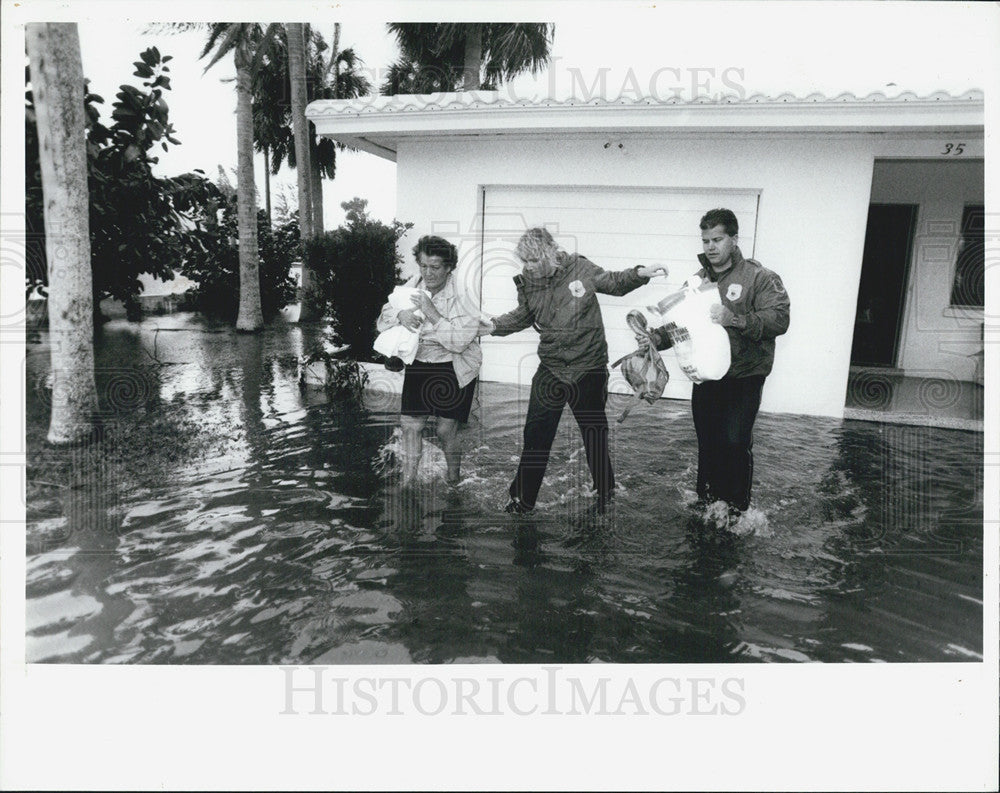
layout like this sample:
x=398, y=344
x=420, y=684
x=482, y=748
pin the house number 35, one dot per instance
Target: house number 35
x=954, y=148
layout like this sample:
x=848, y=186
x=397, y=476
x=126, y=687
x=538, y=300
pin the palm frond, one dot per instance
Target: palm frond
x=267, y=45
x=170, y=28
x=512, y=49
x=216, y=30
x=240, y=38
x=433, y=54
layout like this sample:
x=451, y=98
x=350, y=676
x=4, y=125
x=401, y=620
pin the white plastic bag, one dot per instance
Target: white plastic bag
x=702, y=346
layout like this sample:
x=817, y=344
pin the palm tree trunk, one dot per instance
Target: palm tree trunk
x=295, y=34
x=316, y=187
x=57, y=84
x=335, y=60
x=473, y=58
x=249, y=317
x=267, y=185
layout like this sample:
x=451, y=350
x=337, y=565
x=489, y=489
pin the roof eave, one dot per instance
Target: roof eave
x=378, y=128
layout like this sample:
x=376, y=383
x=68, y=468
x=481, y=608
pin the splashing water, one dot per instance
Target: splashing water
x=389, y=460
x=752, y=522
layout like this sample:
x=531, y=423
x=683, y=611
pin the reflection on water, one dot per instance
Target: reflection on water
x=227, y=516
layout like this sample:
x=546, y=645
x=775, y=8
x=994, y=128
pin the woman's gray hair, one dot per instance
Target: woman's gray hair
x=536, y=244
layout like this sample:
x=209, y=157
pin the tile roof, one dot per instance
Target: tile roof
x=481, y=100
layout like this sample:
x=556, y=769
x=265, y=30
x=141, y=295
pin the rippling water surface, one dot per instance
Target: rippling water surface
x=228, y=516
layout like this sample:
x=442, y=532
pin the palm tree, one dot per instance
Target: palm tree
x=57, y=86
x=444, y=56
x=338, y=78
x=295, y=36
x=250, y=44
x=282, y=76
x=295, y=40
x=335, y=77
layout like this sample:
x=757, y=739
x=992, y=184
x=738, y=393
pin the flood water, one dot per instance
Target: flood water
x=229, y=516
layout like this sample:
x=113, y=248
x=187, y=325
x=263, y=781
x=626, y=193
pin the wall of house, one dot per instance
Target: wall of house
x=814, y=195
x=936, y=340
x=154, y=287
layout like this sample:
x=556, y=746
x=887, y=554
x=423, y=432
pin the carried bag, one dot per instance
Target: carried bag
x=644, y=370
x=702, y=346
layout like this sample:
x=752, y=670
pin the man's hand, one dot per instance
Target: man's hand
x=408, y=318
x=486, y=327
x=422, y=303
x=721, y=315
x=651, y=272
x=642, y=340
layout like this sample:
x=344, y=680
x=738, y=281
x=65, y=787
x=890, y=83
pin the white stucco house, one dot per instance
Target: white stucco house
x=866, y=206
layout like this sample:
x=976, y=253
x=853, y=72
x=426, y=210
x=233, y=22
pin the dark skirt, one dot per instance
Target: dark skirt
x=431, y=389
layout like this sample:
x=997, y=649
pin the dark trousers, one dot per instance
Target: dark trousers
x=586, y=397
x=724, y=412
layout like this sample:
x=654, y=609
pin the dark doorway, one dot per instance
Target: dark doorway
x=888, y=242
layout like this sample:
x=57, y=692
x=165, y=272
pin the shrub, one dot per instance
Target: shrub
x=356, y=267
x=215, y=266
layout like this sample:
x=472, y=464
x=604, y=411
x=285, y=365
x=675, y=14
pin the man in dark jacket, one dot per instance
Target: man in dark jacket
x=754, y=310
x=557, y=294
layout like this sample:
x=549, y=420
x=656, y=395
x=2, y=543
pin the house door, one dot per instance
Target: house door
x=884, y=267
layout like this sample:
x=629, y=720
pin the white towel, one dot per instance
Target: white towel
x=399, y=341
x=401, y=297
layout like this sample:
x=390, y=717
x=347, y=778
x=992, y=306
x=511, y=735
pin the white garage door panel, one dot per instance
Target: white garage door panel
x=616, y=228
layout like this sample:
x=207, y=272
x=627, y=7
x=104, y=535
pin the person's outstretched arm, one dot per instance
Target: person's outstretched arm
x=623, y=281
x=516, y=319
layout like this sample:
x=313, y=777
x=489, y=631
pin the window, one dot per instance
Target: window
x=967, y=289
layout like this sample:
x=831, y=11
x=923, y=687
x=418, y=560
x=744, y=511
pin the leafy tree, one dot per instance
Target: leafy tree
x=356, y=267
x=134, y=225
x=137, y=220
x=57, y=71
x=445, y=56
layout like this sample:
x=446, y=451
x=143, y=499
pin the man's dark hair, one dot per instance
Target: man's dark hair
x=720, y=217
x=436, y=246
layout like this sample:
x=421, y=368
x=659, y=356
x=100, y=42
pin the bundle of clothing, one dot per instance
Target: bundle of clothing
x=399, y=342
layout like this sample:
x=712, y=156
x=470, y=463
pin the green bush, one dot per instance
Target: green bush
x=356, y=267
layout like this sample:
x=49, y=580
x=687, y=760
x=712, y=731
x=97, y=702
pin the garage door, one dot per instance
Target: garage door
x=614, y=227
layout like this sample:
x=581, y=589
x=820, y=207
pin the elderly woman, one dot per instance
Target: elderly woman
x=441, y=380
